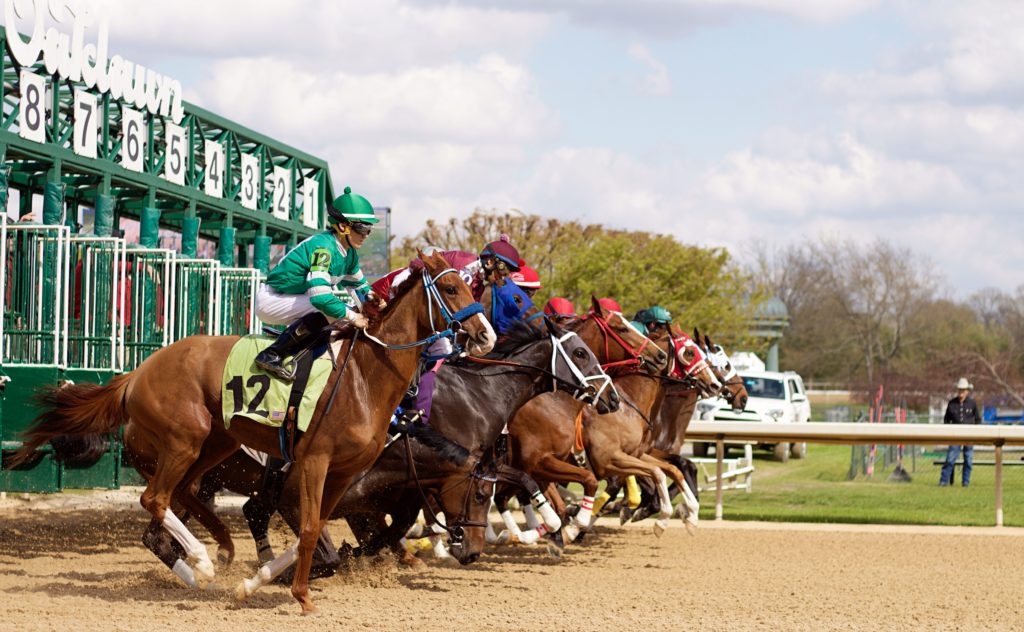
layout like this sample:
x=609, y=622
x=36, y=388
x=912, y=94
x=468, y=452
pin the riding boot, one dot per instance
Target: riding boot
x=298, y=336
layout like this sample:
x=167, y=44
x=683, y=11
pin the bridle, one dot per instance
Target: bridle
x=455, y=529
x=636, y=359
x=581, y=389
x=452, y=319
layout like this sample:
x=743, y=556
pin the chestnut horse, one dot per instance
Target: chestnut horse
x=547, y=431
x=174, y=399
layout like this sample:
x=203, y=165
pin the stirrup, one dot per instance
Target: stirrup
x=283, y=371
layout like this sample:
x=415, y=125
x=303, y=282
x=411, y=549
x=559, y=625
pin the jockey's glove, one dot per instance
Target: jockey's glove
x=357, y=319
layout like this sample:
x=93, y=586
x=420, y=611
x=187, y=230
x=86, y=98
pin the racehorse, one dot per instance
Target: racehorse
x=550, y=429
x=174, y=399
x=474, y=400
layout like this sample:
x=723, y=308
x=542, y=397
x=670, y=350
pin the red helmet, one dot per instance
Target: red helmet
x=503, y=250
x=610, y=304
x=559, y=306
x=526, y=277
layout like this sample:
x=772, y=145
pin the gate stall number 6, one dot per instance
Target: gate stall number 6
x=250, y=185
x=133, y=133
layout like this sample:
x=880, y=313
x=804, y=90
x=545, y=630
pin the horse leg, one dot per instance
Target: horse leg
x=622, y=464
x=553, y=469
x=649, y=503
x=156, y=499
x=257, y=517
x=167, y=549
x=512, y=531
x=216, y=449
x=690, y=503
x=602, y=505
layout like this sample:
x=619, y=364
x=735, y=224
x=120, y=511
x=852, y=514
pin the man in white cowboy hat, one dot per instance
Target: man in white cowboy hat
x=962, y=409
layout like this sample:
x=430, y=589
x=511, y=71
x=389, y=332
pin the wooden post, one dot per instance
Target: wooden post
x=719, y=451
x=999, y=484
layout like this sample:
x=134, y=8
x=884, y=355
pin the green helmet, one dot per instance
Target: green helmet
x=656, y=314
x=351, y=207
x=637, y=325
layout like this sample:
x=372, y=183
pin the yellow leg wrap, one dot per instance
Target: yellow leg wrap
x=599, y=502
x=632, y=492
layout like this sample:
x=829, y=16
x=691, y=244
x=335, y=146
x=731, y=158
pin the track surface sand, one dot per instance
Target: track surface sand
x=82, y=567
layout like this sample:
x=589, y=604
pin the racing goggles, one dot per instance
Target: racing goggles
x=361, y=228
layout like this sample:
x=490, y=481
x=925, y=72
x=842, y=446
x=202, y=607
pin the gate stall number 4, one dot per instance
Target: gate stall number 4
x=213, y=183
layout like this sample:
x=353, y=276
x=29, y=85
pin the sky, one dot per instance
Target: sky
x=732, y=123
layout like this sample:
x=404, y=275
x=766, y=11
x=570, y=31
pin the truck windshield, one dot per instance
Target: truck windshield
x=764, y=387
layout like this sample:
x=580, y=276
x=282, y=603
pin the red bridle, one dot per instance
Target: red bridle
x=636, y=355
x=699, y=362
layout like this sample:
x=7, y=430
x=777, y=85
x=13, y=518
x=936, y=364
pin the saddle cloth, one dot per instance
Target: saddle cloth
x=247, y=391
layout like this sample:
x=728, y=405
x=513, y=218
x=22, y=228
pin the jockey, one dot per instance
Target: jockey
x=497, y=259
x=527, y=278
x=560, y=309
x=299, y=290
x=655, y=317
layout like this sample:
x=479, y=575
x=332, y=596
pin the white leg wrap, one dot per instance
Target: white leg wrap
x=692, y=505
x=665, y=511
x=582, y=518
x=415, y=531
x=440, y=550
x=510, y=523
x=197, y=554
x=184, y=572
x=531, y=517
x=489, y=535
x=268, y=572
x=547, y=512
x=532, y=536
x=438, y=527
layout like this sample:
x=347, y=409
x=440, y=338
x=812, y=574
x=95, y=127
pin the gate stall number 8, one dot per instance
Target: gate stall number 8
x=32, y=124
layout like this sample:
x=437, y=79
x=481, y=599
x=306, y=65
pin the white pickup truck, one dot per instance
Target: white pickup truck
x=774, y=397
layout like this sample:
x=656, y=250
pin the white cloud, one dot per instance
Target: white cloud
x=657, y=80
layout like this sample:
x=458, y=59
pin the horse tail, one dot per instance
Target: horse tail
x=80, y=450
x=77, y=410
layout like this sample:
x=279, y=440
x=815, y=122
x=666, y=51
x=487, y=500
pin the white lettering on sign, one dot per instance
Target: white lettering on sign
x=310, y=202
x=32, y=118
x=251, y=176
x=73, y=59
x=213, y=183
x=175, y=153
x=282, y=192
x=87, y=126
x=133, y=135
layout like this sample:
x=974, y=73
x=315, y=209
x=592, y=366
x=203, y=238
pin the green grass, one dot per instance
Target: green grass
x=815, y=489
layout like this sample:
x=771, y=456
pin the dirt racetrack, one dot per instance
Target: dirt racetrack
x=83, y=568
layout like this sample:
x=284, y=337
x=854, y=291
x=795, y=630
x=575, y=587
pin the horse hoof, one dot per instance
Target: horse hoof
x=659, y=527
x=241, y=592
x=309, y=610
x=554, y=551
x=504, y=537
x=204, y=572
x=691, y=527
x=225, y=556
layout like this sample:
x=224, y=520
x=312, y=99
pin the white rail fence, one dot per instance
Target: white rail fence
x=854, y=434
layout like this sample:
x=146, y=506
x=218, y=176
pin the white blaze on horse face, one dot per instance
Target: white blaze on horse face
x=483, y=348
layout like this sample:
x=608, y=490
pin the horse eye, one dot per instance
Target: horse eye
x=450, y=290
x=579, y=354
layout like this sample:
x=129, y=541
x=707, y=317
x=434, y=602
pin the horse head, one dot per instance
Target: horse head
x=692, y=363
x=457, y=309
x=733, y=389
x=578, y=371
x=622, y=343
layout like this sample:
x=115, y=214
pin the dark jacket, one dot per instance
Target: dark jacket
x=965, y=412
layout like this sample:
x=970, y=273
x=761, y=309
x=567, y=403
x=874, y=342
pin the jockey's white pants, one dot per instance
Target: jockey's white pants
x=274, y=308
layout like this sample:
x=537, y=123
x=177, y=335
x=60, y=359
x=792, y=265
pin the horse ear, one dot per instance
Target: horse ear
x=596, y=305
x=553, y=328
x=696, y=334
x=707, y=342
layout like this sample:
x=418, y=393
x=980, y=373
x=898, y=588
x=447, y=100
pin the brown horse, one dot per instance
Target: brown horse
x=174, y=399
x=548, y=430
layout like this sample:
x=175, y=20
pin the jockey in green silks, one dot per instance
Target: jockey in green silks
x=299, y=291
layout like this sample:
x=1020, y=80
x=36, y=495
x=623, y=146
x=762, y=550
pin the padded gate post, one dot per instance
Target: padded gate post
x=226, y=247
x=149, y=229
x=190, y=237
x=261, y=253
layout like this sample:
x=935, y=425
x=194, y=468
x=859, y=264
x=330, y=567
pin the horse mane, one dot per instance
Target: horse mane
x=518, y=336
x=370, y=309
x=445, y=447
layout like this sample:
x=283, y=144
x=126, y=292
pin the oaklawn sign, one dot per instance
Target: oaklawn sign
x=73, y=59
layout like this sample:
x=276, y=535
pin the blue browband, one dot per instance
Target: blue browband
x=468, y=312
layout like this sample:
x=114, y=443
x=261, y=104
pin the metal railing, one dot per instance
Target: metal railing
x=854, y=434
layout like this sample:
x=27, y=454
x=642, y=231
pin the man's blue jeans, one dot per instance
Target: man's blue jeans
x=951, y=457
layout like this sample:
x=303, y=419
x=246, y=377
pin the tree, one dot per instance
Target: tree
x=701, y=287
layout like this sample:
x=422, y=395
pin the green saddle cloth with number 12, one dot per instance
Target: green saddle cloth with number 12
x=247, y=391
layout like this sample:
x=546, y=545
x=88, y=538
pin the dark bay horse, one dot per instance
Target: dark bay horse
x=174, y=399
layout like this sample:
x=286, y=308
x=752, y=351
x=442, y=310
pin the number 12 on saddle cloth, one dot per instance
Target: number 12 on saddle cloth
x=247, y=391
